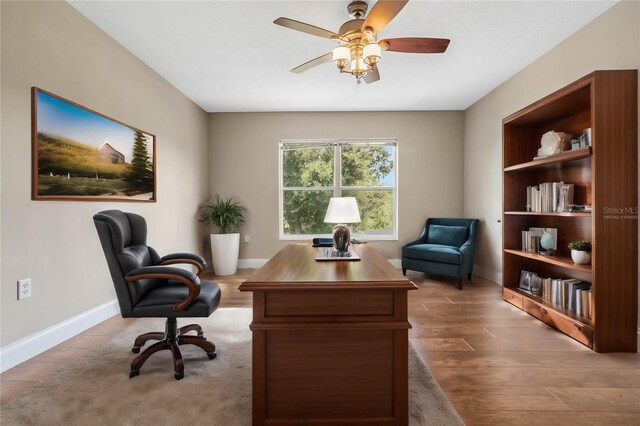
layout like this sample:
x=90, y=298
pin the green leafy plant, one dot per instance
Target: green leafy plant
x=226, y=214
x=580, y=245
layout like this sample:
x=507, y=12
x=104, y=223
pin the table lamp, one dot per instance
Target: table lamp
x=342, y=210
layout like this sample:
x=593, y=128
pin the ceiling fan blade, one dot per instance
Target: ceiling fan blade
x=305, y=28
x=382, y=13
x=372, y=76
x=415, y=45
x=312, y=63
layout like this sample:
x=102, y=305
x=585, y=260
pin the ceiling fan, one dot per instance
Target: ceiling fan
x=359, y=51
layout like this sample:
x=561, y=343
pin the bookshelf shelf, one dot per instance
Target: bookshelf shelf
x=559, y=309
x=606, y=102
x=552, y=160
x=559, y=214
x=563, y=262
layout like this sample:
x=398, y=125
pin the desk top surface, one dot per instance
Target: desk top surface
x=294, y=267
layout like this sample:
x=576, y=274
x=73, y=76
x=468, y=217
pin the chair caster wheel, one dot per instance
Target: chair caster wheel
x=133, y=373
x=135, y=349
x=179, y=376
x=212, y=355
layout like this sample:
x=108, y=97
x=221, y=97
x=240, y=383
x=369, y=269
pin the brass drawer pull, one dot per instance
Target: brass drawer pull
x=543, y=310
x=579, y=327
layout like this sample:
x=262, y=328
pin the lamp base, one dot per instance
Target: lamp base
x=341, y=237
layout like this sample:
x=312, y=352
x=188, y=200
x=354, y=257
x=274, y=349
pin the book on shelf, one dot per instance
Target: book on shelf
x=570, y=294
x=531, y=239
x=549, y=197
x=530, y=242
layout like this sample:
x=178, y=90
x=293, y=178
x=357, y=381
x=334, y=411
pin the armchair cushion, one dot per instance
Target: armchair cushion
x=447, y=235
x=434, y=253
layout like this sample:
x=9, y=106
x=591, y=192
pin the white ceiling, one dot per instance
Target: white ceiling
x=229, y=56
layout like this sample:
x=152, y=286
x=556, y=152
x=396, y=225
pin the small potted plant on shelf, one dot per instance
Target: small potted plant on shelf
x=228, y=216
x=580, y=252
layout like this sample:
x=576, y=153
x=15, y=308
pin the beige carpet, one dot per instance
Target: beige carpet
x=96, y=389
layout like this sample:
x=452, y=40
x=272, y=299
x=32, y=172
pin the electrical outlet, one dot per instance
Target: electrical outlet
x=247, y=238
x=24, y=288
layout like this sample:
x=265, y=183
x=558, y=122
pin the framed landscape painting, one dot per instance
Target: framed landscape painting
x=82, y=155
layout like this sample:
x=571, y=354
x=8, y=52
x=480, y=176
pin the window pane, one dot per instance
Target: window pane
x=367, y=165
x=304, y=212
x=307, y=166
x=376, y=211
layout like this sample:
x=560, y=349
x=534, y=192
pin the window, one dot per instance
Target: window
x=311, y=172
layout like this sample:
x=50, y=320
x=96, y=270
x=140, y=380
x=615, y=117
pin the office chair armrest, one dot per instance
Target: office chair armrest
x=192, y=259
x=185, y=277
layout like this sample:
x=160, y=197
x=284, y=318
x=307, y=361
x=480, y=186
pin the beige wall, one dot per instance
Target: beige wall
x=243, y=159
x=51, y=45
x=611, y=41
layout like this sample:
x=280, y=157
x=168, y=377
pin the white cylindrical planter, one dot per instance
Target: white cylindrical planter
x=224, y=253
x=580, y=257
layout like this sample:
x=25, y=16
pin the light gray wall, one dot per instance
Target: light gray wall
x=611, y=41
x=243, y=159
x=52, y=46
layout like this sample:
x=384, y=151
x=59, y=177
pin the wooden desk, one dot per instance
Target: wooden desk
x=330, y=340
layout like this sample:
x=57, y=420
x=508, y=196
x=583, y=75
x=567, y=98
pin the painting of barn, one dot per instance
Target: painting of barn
x=110, y=154
x=80, y=154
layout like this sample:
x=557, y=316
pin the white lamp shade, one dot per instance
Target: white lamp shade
x=342, y=210
x=372, y=53
x=358, y=65
x=341, y=53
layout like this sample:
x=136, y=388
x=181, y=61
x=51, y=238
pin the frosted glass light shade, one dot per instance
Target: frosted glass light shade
x=341, y=53
x=358, y=65
x=342, y=210
x=372, y=53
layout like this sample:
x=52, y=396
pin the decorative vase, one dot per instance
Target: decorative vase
x=224, y=253
x=341, y=237
x=580, y=257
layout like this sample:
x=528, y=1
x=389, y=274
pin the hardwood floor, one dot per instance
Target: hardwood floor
x=496, y=364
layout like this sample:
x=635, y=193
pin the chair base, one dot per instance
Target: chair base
x=171, y=339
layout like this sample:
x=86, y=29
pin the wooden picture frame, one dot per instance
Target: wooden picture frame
x=78, y=154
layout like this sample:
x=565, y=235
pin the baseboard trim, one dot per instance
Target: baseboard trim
x=397, y=263
x=251, y=263
x=26, y=348
x=488, y=274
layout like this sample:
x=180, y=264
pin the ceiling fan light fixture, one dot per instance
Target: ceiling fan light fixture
x=372, y=53
x=358, y=67
x=359, y=52
x=341, y=56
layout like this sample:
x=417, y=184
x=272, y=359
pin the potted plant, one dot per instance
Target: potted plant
x=580, y=252
x=228, y=217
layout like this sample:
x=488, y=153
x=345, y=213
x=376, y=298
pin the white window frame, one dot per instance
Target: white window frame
x=337, y=187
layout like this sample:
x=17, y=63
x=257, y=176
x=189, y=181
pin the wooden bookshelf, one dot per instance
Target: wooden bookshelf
x=564, y=262
x=604, y=175
x=562, y=214
x=553, y=160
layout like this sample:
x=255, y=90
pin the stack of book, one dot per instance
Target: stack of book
x=530, y=241
x=570, y=294
x=546, y=197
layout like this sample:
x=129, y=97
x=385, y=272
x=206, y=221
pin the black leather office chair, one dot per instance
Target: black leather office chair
x=147, y=287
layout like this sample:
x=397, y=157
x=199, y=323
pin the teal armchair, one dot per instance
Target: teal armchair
x=445, y=247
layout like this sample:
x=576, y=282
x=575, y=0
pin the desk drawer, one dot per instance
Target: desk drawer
x=580, y=332
x=512, y=297
x=329, y=303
